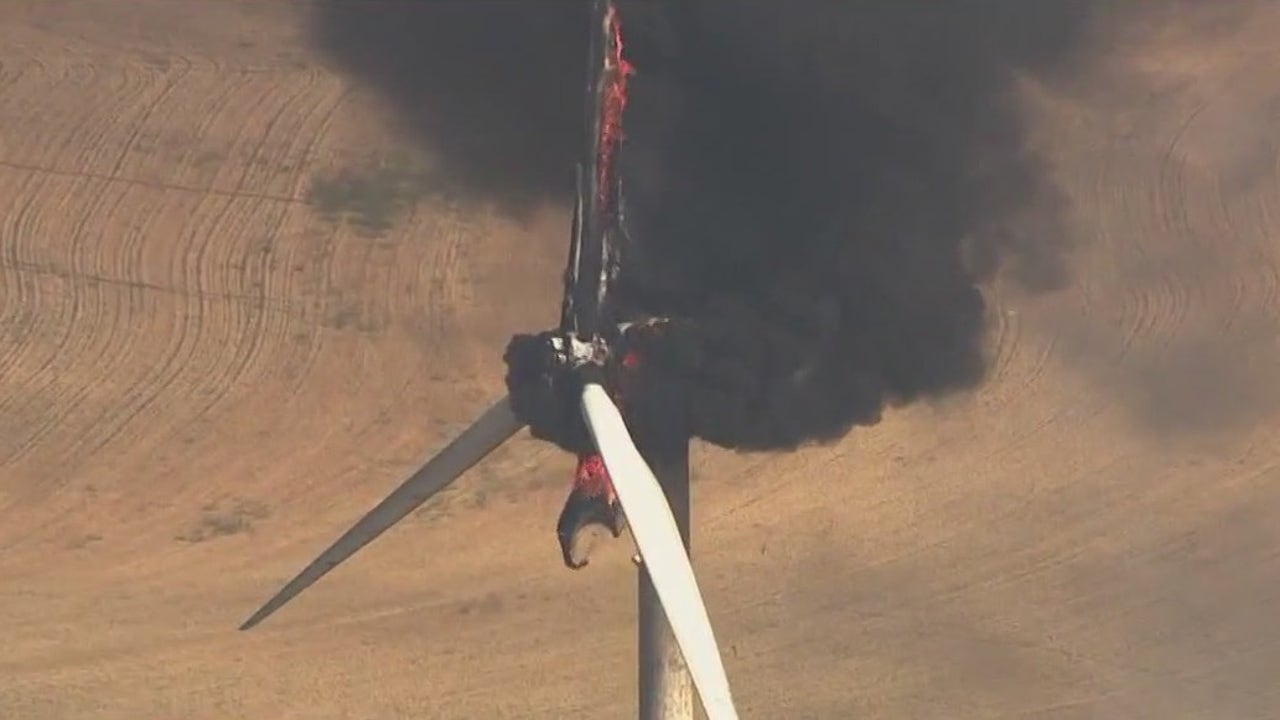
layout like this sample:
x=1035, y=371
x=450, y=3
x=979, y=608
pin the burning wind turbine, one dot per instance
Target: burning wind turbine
x=586, y=362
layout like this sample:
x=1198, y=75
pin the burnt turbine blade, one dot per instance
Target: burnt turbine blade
x=494, y=427
x=586, y=309
x=583, y=517
x=657, y=537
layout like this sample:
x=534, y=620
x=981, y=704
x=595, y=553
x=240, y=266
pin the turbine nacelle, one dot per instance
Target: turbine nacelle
x=571, y=351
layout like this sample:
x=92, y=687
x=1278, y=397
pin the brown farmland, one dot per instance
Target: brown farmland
x=234, y=313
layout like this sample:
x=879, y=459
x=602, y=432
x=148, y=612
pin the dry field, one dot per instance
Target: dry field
x=233, y=314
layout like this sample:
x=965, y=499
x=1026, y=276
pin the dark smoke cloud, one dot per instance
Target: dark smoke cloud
x=493, y=87
x=815, y=189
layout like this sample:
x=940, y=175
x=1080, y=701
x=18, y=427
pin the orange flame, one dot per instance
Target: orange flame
x=592, y=478
x=617, y=69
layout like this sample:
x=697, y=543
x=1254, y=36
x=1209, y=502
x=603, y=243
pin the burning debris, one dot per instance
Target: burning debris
x=592, y=503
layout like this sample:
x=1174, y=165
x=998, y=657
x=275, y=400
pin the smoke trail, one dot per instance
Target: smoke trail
x=815, y=192
x=814, y=189
x=493, y=88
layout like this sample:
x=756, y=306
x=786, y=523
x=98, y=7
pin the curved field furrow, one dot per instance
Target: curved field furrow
x=48, y=319
x=313, y=263
x=1017, y=362
x=15, y=309
x=210, y=300
x=1158, y=305
x=118, y=279
x=135, y=290
x=23, y=303
x=435, y=288
x=88, y=148
x=187, y=338
x=54, y=134
x=256, y=262
x=70, y=346
x=307, y=340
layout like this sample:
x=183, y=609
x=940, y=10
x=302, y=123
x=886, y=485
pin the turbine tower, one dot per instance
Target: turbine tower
x=580, y=361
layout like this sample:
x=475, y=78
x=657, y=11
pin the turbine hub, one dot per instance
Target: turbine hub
x=572, y=352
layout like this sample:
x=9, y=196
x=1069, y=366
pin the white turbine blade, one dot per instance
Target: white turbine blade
x=658, y=539
x=492, y=429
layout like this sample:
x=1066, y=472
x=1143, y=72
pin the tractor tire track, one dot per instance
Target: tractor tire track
x=21, y=290
x=274, y=268
x=133, y=264
x=181, y=378
x=244, y=350
x=77, y=334
x=24, y=385
x=310, y=329
x=88, y=144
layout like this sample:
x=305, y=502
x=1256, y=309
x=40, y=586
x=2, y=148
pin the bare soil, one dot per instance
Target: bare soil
x=233, y=314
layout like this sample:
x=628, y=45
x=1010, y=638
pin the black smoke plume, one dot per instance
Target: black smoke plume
x=815, y=190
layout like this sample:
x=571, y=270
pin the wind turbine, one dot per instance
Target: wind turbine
x=585, y=343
